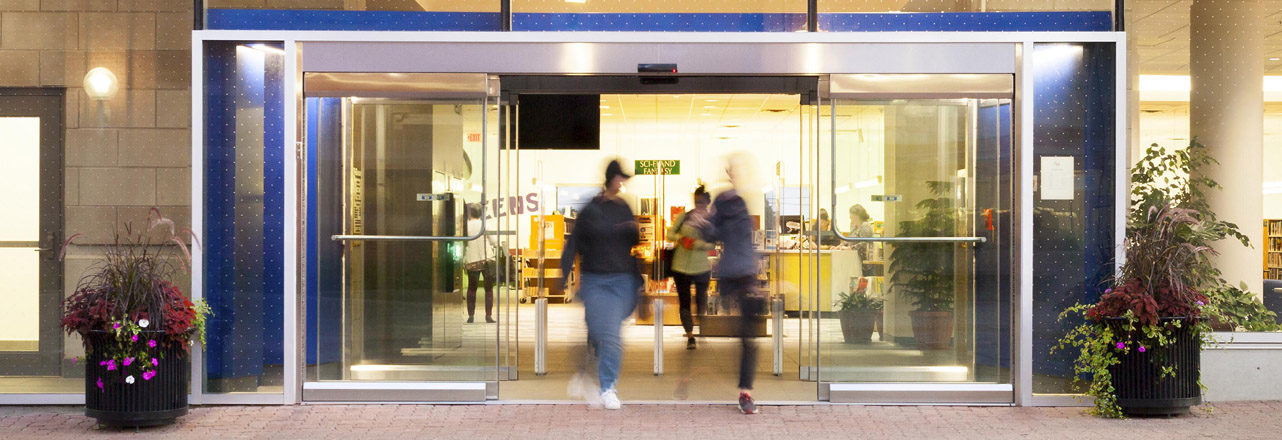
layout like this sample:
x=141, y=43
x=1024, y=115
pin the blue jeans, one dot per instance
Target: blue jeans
x=608, y=299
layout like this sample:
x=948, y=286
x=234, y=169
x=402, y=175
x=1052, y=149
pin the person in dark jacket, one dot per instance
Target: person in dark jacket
x=604, y=234
x=731, y=225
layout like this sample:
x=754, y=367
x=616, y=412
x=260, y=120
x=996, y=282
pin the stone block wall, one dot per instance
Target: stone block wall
x=126, y=155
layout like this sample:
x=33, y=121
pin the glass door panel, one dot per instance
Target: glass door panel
x=35, y=356
x=404, y=209
x=920, y=199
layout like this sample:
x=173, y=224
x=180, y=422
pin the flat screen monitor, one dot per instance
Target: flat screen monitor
x=559, y=122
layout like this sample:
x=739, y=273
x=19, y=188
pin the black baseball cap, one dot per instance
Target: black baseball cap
x=615, y=169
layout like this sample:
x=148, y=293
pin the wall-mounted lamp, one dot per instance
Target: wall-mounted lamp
x=101, y=84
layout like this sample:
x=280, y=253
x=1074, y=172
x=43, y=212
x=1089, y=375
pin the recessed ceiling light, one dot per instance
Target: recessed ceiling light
x=676, y=96
x=1275, y=59
x=730, y=126
x=607, y=114
x=710, y=100
x=605, y=106
x=709, y=106
x=706, y=114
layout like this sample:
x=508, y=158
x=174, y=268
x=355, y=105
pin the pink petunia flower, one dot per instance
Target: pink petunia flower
x=155, y=361
x=99, y=384
x=151, y=343
x=1142, y=349
x=115, y=325
x=148, y=375
x=111, y=364
x=1121, y=345
x=128, y=361
x=134, y=338
x=101, y=363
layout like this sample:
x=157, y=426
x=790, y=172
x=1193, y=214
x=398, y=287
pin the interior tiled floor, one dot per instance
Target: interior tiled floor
x=709, y=373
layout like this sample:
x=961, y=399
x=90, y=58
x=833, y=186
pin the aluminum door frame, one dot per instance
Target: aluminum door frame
x=811, y=44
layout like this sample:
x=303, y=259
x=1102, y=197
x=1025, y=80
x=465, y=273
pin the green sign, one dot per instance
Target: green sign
x=667, y=167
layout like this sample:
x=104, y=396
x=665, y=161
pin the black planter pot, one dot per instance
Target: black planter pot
x=1138, y=381
x=159, y=401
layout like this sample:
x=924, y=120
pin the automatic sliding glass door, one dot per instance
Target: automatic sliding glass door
x=400, y=205
x=920, y=191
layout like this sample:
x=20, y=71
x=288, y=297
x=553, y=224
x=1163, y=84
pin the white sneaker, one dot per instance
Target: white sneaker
x=610, y=399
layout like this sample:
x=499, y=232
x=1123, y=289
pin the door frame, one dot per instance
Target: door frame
x=47, y=104
x=620, y=52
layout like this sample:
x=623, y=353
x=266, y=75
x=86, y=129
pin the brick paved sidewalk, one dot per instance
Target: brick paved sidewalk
x=1243, y=420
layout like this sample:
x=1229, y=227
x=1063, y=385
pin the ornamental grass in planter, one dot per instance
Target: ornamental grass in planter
x=1139, y=346
x=137, y=327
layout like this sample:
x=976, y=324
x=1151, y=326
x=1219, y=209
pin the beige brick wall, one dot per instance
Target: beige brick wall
x=126, y=155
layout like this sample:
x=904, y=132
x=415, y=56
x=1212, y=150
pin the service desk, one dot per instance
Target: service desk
x=792, y=274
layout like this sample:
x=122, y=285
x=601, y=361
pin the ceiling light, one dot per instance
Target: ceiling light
x=730, y=126
x=605, y=106
x=1275, y=59
x=676, y=96
x=709, y=100
x=607, y=114
x=576, y=1
x=842, y=189
x=709, y=106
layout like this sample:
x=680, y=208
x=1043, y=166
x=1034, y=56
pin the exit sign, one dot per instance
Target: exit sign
x=666, y=167
x=473, y=137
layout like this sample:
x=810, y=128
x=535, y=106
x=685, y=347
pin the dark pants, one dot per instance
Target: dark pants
x=473, y=279
x=684, y=282
x=743, y=290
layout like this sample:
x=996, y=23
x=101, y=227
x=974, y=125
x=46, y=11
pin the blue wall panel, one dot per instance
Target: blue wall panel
x=1073, y=239
x=310, y=20
x=243, y=218
x=244, y=19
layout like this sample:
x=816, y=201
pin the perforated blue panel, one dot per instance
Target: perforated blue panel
x=307, y=20
x=660, y=22
x=968, y=22
x=1072, y=239
x=244, y=207
x=491, y=21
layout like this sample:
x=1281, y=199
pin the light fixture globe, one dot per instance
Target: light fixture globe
x=101, y=84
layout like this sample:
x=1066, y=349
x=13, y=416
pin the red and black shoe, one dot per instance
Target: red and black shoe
x=746, y=405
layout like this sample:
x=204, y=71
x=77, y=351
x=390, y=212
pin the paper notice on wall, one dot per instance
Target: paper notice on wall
x=1057, y=178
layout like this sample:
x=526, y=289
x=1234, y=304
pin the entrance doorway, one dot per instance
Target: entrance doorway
x=882, y=222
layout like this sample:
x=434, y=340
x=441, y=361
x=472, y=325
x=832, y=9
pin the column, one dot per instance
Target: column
x=1226, y=61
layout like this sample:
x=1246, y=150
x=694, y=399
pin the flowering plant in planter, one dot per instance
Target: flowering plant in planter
x=127, y=307
x=1154, y=316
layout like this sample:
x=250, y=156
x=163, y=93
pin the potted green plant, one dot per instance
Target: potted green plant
x=1139, y=346
x=136, y=325
x=924, y=272
x=1233, y=307
x=858, y=313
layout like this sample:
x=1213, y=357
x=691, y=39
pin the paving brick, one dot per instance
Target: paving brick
x=1237, y=420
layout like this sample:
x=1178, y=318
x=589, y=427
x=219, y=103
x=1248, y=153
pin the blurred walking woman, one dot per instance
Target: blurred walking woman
x=690, y=265
x=603, y=237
